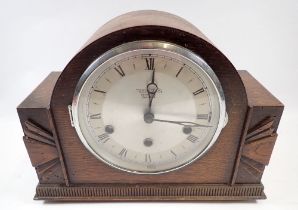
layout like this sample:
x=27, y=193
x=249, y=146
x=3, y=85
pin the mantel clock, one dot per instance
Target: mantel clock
x=149, y=109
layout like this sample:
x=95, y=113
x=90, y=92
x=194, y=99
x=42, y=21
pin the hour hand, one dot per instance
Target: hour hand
x=151, y=90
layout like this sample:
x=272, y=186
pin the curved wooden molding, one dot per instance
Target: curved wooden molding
x=257, y=149
x=37, y=133
x=263, y=129
x=260, y=150
x=42, y=151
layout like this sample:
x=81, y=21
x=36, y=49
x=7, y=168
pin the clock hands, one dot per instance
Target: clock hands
x=149, y=116
x=151, y=90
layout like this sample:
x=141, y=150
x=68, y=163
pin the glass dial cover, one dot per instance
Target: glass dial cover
x=148, y=107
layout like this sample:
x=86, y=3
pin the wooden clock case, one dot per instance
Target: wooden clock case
x=231, y=170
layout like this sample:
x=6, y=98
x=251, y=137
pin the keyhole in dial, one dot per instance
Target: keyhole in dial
x=148, y=142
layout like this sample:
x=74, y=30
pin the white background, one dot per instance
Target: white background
x=37, y=37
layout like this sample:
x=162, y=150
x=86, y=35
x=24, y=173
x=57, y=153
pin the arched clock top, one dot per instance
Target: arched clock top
x=149, y=25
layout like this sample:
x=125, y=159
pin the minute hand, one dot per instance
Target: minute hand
x=183, y=123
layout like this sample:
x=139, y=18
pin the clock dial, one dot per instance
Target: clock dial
x=148, y=107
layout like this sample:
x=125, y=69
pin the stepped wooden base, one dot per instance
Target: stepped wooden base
x=149, y=192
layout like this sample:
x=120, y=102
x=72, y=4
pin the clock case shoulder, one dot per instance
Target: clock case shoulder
x=259, y=133
x=40, y=136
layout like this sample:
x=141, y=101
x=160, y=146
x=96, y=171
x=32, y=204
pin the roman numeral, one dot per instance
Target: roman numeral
x=120, y=70
x=147, y=158
x=192, y=138
x=198, y=91
x=95, y=116
x=100, y=91
x=179, y=71
x=103, y=137
x=150, y=63
x=173, y=153
x=202, y=116
x=123, y=152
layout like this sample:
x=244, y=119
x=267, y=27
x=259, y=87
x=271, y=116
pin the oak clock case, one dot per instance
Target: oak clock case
x=149, y=109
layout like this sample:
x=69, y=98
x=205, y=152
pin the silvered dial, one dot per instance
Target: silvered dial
x=148, y=107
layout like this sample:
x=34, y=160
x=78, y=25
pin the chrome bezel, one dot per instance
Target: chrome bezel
x=159, y=45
